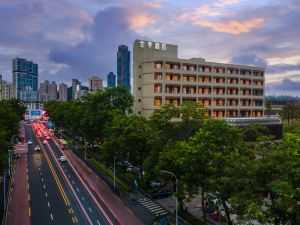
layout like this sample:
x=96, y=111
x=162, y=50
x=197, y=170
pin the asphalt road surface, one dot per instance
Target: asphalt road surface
x=57, y=194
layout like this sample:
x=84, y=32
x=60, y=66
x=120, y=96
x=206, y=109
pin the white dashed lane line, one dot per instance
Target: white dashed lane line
x=48, y=204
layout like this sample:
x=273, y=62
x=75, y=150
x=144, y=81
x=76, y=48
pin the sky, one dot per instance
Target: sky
x=79, y=38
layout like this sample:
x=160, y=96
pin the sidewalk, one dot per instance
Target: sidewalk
x=193, y=206
x=18, y=209
x=125, y=215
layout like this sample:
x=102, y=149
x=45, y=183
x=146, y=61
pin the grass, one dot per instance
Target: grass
x=108, y=173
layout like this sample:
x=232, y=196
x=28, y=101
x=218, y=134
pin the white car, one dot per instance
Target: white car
x=63, y=158
x=29, y=142
x=155, y=183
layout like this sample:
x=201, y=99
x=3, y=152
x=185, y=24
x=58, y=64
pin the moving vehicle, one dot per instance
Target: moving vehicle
x=63, y=158
x=63, y=144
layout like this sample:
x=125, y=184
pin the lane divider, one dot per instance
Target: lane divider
x=68, y=182
x=61, y=190
x=90, y=193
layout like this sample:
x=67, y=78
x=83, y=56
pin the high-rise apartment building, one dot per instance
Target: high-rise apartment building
x=111, y=79
x=123, y=66
x=76, y=87
x=7, y=90
x=48, y=91
x=95, y=83
x=63, y=92
x=161, y=78
x=53, y=90
x=44, y=91
x=25, y=78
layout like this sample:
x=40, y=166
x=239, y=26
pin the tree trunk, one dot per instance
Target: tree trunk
x=203, y=207
x=229, y=222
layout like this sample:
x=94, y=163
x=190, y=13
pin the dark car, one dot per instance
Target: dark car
x=160, y=194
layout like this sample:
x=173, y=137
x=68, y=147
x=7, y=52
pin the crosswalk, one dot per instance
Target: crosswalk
x=153, y=207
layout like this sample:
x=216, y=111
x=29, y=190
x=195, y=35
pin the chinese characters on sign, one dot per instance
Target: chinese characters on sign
x=149, y=44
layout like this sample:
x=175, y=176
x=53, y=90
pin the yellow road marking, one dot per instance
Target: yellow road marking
x=76, y=219
x=28, y=197
x=61, y=190
x=29, y=210
x=73, y=220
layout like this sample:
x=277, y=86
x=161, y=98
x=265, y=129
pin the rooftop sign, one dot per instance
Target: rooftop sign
x=155, y=45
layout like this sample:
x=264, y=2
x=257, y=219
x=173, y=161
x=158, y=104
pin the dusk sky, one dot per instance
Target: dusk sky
x=79, y=38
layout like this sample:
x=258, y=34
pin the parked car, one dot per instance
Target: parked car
x=63, y=158
x=155, y=183
x=160, y=194
x=29, y=142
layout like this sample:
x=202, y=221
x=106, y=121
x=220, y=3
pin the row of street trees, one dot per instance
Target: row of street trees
x=252, y=181
x=11, y=112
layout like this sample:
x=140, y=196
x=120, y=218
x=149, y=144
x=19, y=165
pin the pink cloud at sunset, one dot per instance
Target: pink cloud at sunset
x=232, y=26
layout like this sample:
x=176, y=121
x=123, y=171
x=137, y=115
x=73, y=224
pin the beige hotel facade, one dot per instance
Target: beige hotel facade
x=161, y=78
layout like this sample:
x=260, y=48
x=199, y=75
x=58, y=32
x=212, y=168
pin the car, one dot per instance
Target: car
x=63, y=158
x=155, y=183
x=48, y=138
x=160, y=194
x=37, y=148
x=29, y=142
x=44, y=141
x=129, y=169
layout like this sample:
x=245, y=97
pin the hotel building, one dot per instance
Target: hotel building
x=161, y=78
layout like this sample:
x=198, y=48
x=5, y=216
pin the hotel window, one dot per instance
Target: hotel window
x=157, y=65
x=157, y=89
x=157, y=76
x=157, y=101
x=168, y=66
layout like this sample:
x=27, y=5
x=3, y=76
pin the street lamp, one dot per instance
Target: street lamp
x=176, y=183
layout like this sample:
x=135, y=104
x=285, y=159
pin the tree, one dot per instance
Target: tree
x=127, y=139
x=290, y=111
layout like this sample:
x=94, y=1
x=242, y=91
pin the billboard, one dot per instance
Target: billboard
x=35, y=112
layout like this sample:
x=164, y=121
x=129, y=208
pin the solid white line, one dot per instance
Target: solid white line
x=90, y=209
x=48, y=204
x=51, y=216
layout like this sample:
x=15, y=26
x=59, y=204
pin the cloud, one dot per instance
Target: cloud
x=231, y=26
x=141, y=20
x=96, y=54
x=284, y=87
x=249, y=59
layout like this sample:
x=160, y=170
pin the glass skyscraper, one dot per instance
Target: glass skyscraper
x=25, y=78
x=123, y=66
x=111, y=79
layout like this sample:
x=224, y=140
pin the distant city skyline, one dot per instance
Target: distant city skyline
x=77, y=39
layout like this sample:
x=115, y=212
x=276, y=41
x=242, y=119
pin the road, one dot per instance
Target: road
x=57, y=194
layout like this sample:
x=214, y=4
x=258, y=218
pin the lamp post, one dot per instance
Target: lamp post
x=176, y=184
